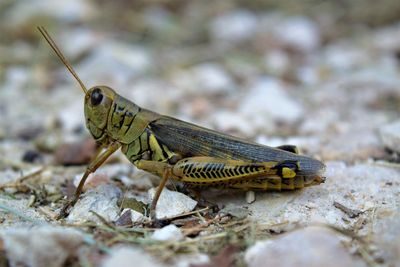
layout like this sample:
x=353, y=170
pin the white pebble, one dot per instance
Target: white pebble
x=41, y=246
x=135, y=215
x=277, y=61
x=390, y=135
x=172, y=203
x=267, y=99
x=102, y=200
x=226, y=121
x=250, y=197
x=129, y=256
x=212, y=78
x=235, y=26
x=168, y=233
x=300, y=33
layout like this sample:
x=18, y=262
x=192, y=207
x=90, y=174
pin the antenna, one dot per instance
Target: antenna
x=53, y=45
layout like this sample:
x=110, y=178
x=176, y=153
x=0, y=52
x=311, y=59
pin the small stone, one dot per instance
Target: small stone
x=387, y=236
x=41, y=246
x=115, y=63
x=236, y=26
x=267, y=99
x=235, y=211
x=78, y=41
x=71, y=11
x=93, y=180
x=299, y=33
x=250, y=197
x=129, y=256
x=70, y=115
x=114, y=171
x=48, y=142
x=136, y=216
x=124, y=219
x=388, y=38
x=32, y=156
x=139, y=93
x=51, y=189
x=191, y=260
x=390, y=135
x=277, y=62
x=232, y=122
x=133, y=215
x=212, y=78
x=312, y=246
x=168, y=233
x=142, y=183
x=29, y=133
x=368, y=205
x=343, y=57
x=20, y=206
x=172, y=203
x=161, y=21
x=308, y=75
x=102, y=200
x=77, y=153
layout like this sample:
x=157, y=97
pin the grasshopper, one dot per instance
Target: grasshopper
x=171, y=148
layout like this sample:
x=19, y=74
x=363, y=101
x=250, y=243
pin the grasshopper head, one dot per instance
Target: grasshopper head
x=98, y=102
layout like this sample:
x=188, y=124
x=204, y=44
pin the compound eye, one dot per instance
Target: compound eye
x=96, y=97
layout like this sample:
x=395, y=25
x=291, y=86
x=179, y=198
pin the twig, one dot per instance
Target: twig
x=367, y=257
x=18, y=182
x=88, y=239
x=352, y=213
x=187, y=213
x=387, y=164
x=102, y=220
x=30, y=175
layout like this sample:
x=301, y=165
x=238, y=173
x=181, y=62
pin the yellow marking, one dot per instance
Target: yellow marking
x=288, y=173
x=169, y=152
x=155, y=147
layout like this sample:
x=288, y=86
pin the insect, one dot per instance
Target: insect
x=191, y=154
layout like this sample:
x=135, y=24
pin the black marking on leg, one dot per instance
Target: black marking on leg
x=208, y=167
x=235, y=171
x=190, y=167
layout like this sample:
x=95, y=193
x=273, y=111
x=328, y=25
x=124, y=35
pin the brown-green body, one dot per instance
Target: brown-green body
x=146, y=136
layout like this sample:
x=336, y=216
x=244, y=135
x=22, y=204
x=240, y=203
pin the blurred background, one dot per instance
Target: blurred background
x=270, y=71
x=322, y=75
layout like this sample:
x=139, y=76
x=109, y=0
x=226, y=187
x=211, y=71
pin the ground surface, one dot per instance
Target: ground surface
x=324, y=77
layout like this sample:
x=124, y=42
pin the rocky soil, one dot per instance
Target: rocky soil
x=322, y=76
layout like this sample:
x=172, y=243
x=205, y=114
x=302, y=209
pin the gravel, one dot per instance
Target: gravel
x=305, y=75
